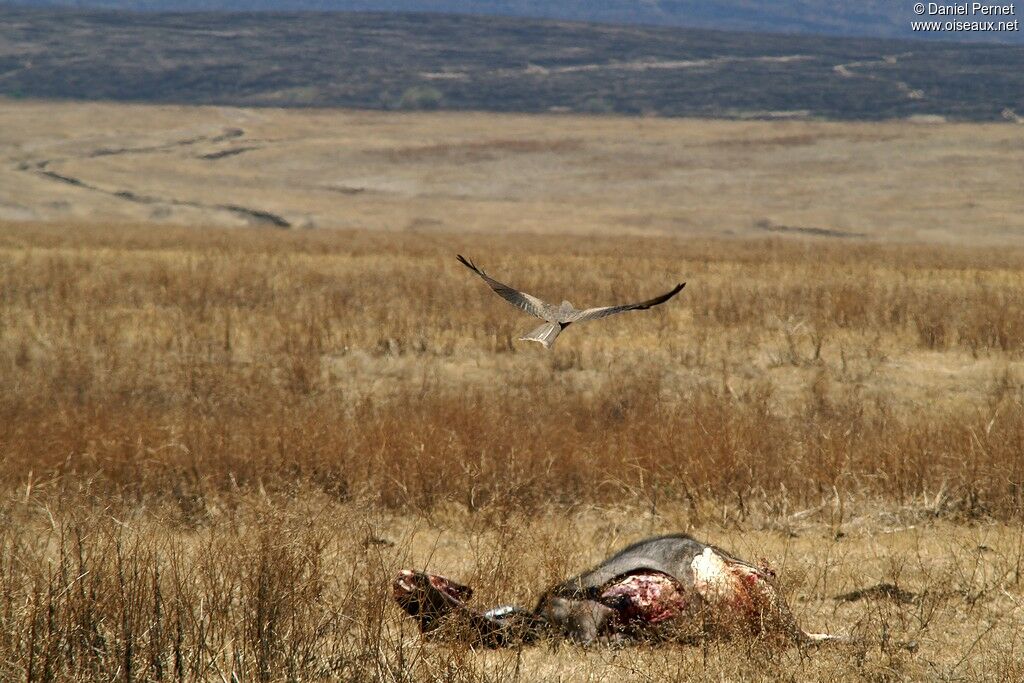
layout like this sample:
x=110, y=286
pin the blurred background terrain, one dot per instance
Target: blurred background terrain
x=427, y=61
x=867, y=18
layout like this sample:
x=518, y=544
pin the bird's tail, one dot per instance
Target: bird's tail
x=545, y=334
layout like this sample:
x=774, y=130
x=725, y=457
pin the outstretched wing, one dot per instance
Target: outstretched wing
x=526, y=302
x=604, y=311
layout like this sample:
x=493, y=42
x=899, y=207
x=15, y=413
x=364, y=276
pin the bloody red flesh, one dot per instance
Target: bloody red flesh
x=645, y=598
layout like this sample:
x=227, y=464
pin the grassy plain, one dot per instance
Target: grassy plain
x=219, y=445
x=491, y=173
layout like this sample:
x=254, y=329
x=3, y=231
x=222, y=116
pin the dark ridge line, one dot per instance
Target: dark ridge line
x=114, y=151
x=224, y=153
x=343, y=190
x=228, y=134
x=254, y=216
x=258, y=215
x=65, y=179
x=817, y=232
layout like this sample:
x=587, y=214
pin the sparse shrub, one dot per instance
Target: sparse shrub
x=934, y=327
x=596, y=105
x=421, y=97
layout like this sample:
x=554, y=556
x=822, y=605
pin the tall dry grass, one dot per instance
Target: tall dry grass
x=218, y=446
x=296, y=588
x=193, y=363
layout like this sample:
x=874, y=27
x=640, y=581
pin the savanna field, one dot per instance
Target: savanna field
x=219, y=444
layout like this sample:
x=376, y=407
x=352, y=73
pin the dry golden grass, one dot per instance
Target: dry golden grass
x=212, y=438
x=375, y=365
x=217, y=447
x=296, y=588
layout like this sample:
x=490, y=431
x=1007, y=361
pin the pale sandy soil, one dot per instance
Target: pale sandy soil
x=944, y=183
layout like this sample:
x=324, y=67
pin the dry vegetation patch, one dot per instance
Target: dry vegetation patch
x=296, y=588
x=218, y=446
x=368, y=363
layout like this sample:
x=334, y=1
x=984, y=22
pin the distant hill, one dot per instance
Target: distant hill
x=422, y=61
x=858, y=18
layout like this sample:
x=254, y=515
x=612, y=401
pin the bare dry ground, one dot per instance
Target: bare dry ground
x=489, y=173
x=219, y=445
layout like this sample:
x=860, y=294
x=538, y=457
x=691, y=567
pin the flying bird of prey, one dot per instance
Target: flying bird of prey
x=557, y=318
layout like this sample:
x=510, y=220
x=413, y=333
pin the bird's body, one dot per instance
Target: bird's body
x=557, y=318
